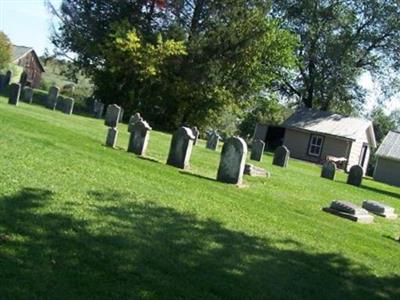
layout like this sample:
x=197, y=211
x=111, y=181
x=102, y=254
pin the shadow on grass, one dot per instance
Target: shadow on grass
x=139, y=250
x=197, y=176
x=376, y=190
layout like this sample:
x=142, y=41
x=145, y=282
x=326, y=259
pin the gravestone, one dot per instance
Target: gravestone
x=181, y=148
x=133, y=120
x=15, y=91
x=328, y=170
x=7, y=78
x=112, y=115
x=23, y=79
x=233, y=159
x=257, y=150
x=52, y=97
x=59, y=102
x=355, y=175
x=121, y=115
x=379, y=209
x=112, y=135
x=67, y=105
x=349, y=211
x=28, y=94
x=255, y=171
x=281, y=156
x=98, y=109
x=212, y=140
x=139, y=137
x=196, y=134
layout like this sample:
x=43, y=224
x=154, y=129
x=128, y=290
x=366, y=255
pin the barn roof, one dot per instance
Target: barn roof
x=19, y=52
x=336, y=125
x=390, y=147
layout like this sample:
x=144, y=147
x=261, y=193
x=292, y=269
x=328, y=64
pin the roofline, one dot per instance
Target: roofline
x=319, y=132
x=34, y=53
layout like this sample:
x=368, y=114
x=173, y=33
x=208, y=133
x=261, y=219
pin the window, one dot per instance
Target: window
x=315, y=147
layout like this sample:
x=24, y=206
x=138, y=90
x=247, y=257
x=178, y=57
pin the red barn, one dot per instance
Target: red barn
x=27, y=58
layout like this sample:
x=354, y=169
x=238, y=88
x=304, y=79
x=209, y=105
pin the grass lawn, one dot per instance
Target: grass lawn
x=82, y=221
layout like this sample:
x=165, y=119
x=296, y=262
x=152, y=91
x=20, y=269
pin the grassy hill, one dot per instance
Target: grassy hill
x=82, y=221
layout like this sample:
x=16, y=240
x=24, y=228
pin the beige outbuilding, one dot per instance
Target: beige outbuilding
x=387, y=168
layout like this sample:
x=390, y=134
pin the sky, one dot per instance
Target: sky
x=28, y=23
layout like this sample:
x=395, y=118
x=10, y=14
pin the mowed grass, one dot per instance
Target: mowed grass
x=82, y=221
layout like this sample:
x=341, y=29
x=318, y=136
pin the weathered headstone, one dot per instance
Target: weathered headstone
x=281, y=156
x=112, y=135
x=349, y=211
x=233, y=159
x=196, y=134
x=98, y=109
x=212, y=140
x=23, y=79
x=257, y=150
x=15, y=91
x=255, y=171
x=52, y=97
x=121, y=115
x=379, y=209
x=28, y=94
x=67, y=105
x=139, y=137
x=181, y=148
x=7, y=78
x=112, y=115
x=355, y=175
x=133, y=120
x=328, y=170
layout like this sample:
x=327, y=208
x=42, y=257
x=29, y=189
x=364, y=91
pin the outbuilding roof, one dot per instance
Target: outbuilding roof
x=390, y=147
x=336, y=125
x=18, y=52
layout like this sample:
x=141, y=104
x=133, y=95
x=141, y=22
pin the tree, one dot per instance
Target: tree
x=339, y=40
x=382, y=123
x=192, y=59
x=5, y=50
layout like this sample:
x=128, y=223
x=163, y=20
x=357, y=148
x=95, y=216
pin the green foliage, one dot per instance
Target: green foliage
x=339, y=40
x=383, y=123
x=5, y=50
x=177, y=63
x=81, y=221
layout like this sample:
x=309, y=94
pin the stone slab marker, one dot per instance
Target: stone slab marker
x=257, y=150
x=281, y=156
x=98, y=109
x=67, y=105
x=255, y=171
x=52, y=97
x=111, y=120
x=28, y=94
x=349, y=211
x=133, y=120
x=196, y=134
x=233, y=160
x=181, y=148
x=15, y=91
x=139, y=139
x=212, y=140
x=380, y=209
x=328, y=170
x=355, y=175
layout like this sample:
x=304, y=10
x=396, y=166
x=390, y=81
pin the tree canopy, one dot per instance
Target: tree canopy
x=5, y=50
x=339, y=40
x=178, y=62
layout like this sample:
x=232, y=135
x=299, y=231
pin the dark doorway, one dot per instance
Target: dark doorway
x=274, y=138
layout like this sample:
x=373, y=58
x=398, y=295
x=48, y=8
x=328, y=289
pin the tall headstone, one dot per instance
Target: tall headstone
x=196, y=134
x=181, y=148
x=7, y=78
x=67, y=105
x=328, y=170
x=15, y=91
x=281, y=156
x=133, y=120
x=257, y=150
x=121, y=115
x=111, y=120
x=52, y=97
x=28, y=94
x=213, y=140
x=233, y=160
x=98, y=109
x=140, y=132
x=355, y=175
x=23, y=79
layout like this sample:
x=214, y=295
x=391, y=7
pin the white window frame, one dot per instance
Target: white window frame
x=314, y=139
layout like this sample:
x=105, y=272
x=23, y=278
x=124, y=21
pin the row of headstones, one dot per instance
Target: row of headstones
x=233, y=155
x=54, y=100
x=355, y=174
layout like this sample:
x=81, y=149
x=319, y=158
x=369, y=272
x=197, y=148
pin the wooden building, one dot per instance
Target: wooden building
x=27, y=58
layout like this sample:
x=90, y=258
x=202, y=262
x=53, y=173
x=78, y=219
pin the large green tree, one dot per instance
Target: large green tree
x=176, y=61
x=5, y=50
x=339, y=40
